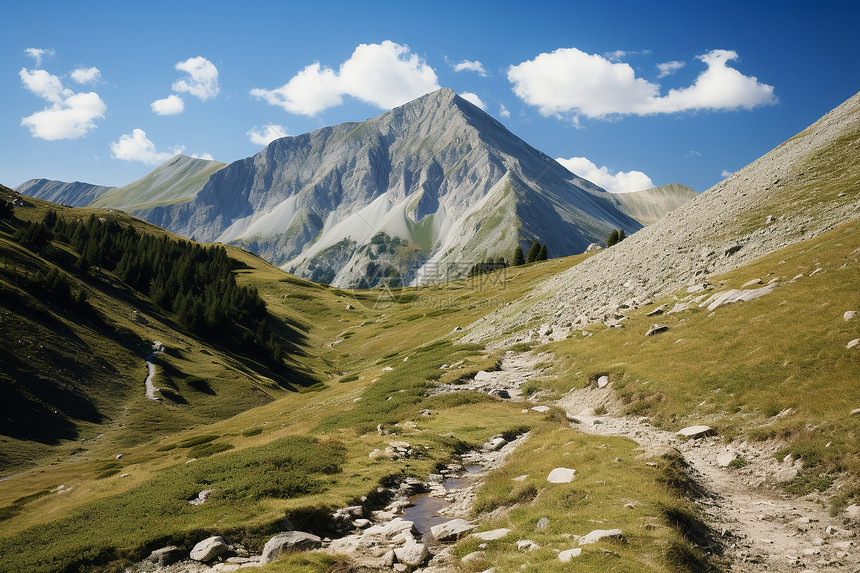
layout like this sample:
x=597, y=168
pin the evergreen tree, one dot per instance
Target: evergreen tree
x=621, y=235
x=542, y=254
x=7, y=210
x=613, y=238
x=533, y=252
x=519, y=259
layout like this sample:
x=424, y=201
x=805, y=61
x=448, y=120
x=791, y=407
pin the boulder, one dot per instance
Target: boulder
x=561, y=475
x=657, y=329
x=288, y=541
x=165, y=556
x=855, y=411
x=452, y=529
x=852, y=512
x=411, y=553
x=849, y=315
x=491, y=535
x=566, y=556
x=495, y=444
x=473, y=557
x=599, y=534
x=659, y=310
x=853, y=343
x=724, y=459
x=696, y=432
x=527, y=545
x=542, y=524
x=392, y=528
x=603, y=381
x=209, y=549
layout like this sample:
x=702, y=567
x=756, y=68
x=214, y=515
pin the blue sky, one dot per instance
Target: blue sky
x=630, y=93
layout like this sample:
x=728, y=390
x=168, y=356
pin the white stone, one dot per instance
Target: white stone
x=491, y=535
x=392, y=528
x=561, y=475
x=520, y=478
x=411, y=553
x=495, y=444
x=724, y=459
x=853, y=343
x=209, y=549
x=452, y=529
x=566, y=556
x=286, y=542
x=849, y=315
x=603, y=382
x=527, y=545
x=695, y=431
x=540, y=408
x=599, y=534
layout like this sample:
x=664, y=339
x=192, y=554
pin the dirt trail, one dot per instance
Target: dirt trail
x=763, y=528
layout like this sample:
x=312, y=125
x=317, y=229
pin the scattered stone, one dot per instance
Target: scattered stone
x=393, y=528
x=165, y=556
x=289, y=541
x=527, y=545
x=849, y=315
x=473, y=557
x=657, y=329
x=540, y=409
x=852, y=512
x=751, y=283
x=542, y=524
x=119, y=456
x=387, y=369
x=603, y=381
x=411, y=553
x=785, y=475
x=855, y=411
x=696, y=432
x=701, y=287
x=492, y=535
x=599, y=534
x=717, y=300
x=520, y=478
x=561, y=475
x=452, y=529
x=566, y=556
x=659, y=310
x=726, y=458
x=495, y=444
x=853, y=343
x=350, y=307
x=201, y=497
x=361, y=523
x=593, y=247
x=209, y=549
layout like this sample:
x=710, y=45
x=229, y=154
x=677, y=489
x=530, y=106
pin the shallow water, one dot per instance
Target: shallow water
x=424, y=511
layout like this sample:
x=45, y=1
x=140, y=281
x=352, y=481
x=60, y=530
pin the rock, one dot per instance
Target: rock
x=473, y=557
x=520, y=478
x=119, y=456
x=350, y=307
x=387, y=369
x=659, y=310
x=288, y=541
x=201, y=497
x=724, y=459
x=853, y=343
x=603, y=381
x=542, y=524
x=393, y=528
x=165, y=556
x=495, y=444
x=852, y=512
x=567, y=555
x=696, y=432
x=411, y=553
x=657, y=329
x=452, y=529
x=561, y=475
x=719, y=299
x=540, y=408
x=599, y=534
x=701, y=287
x=849, y=315
x=209, y=549
x=593, y=248
x=785, y=475
x=483, y=376
x=527, y=545
x=491, y=535
x=751, y=283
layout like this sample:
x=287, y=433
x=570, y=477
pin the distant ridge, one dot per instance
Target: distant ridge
x=75, y=194
x=648, y=205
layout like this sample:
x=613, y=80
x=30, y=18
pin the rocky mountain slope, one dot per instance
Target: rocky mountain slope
x=648, y=205
x=75, y=194
x=437, y=182
x=802, y=188
x=177, y=180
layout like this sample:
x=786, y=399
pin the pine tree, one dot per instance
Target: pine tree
x=613, y=238
x=533, y=252
x=542, y=254
x=519, y=259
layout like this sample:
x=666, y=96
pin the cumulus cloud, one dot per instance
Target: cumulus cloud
x=619, y=182
x=385, y=75
x=86, y=75
x=171, y=105
x=569, y=81
x=503, y=111
x=726, y=173
x=473, y=98
x=38, y=54
x=202, y=81
x=269, y=133
x=137, y=147
x=669, y=68
x=207, y=156
x=70, y=115
x=618, y=55
x=471, y=66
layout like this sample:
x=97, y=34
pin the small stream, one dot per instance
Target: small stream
x=426, y=507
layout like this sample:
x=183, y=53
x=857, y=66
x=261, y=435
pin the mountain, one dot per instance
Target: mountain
x=76, y=194
x=414, y=195
x=175, y=181
x=648, y=205
x=802, y=188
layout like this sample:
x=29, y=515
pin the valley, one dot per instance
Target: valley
x=321, y=409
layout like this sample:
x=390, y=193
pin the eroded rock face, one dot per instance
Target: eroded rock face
x=287, y=542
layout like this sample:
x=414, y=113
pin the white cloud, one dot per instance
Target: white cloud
x=471, y=66
x=620, y=182
x=726, y=173
x=385, y=75
x=503, y=111
x=617, y=55
x=86, y=75
x=669, y=68
x=171, y=105
x=474, y=99
x=70, y=115
x=269, y=133
x=136, y=147
x=207, y=156
x=203, y=81
x=38, y=54
x=569, y=81
x=692, y=154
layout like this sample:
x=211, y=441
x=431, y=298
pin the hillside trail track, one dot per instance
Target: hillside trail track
x=762, y=528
